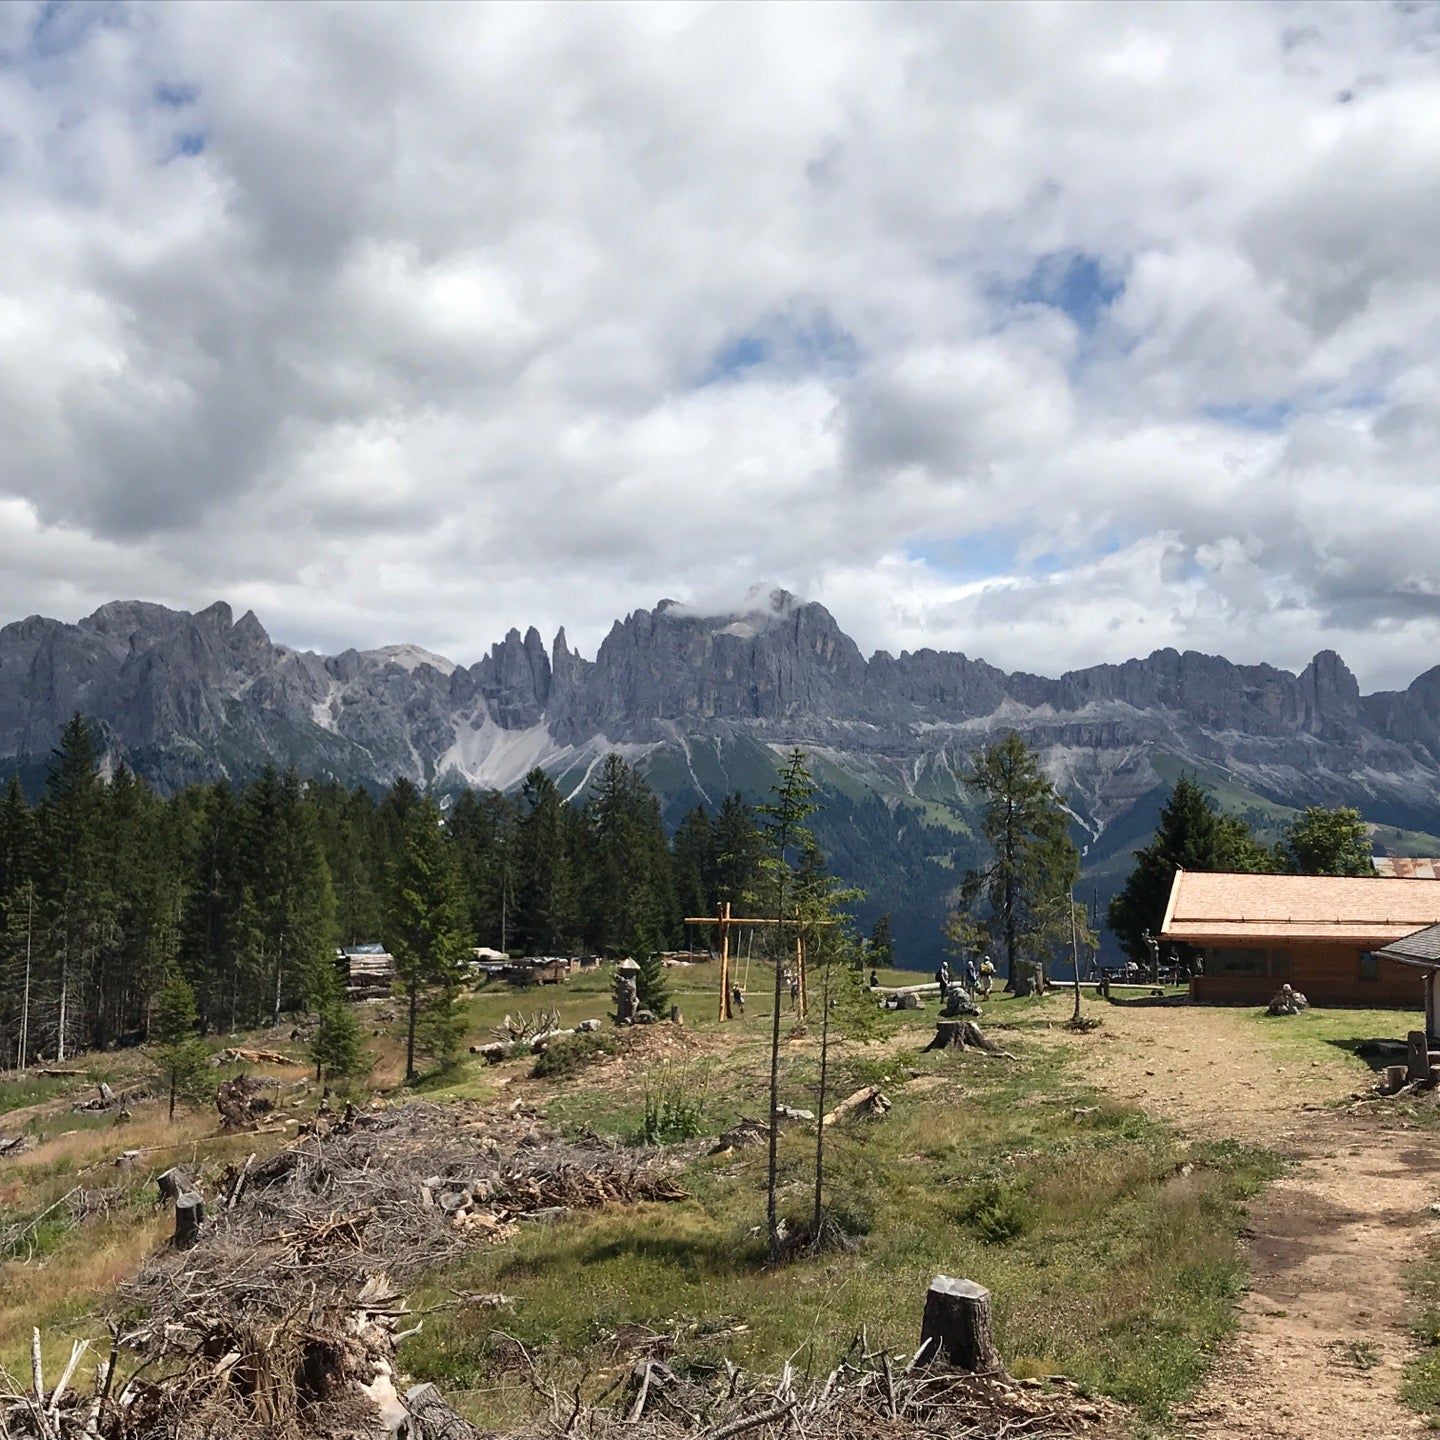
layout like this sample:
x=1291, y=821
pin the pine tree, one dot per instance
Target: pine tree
x=1033, y=859
x=545, y=891
x=1190, y=835
x=427, y=933
x=335, y=1047
x=651, y=988
x=74, y=897
x=882, y=951
x=693, y=852
x=178, y=1052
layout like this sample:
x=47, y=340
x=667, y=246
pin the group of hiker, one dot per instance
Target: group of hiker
x=977, y=977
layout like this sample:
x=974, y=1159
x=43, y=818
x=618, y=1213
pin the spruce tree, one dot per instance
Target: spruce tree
x=1190, y=835
x=791, y=803
x=335, y=1046
x=178, y=1052
x=74, y=895
x=427, y=933
x=545, y=920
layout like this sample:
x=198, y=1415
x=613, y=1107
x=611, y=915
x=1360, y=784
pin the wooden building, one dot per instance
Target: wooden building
x=1322, y=934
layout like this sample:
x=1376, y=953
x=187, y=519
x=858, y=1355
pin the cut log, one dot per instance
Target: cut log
x=1395, y=1078
x=956, y=1327
x=868, y=1098
x=257, y=1057
x=189, y=1218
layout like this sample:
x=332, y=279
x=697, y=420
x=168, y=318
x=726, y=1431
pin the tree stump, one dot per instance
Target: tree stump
x=1395, y=1078
x=1417, y=1047
x=433, y=1419
x=956, y=1327
x=189, y=1218
x=964, y=1034
x=174, y=1183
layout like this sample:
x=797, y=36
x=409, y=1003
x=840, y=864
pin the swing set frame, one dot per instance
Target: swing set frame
x=723, y=920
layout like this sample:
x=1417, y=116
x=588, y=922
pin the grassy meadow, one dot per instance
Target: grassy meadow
x=1109, y=1242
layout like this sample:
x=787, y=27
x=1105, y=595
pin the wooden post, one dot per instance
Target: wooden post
x=1432, y=1028
x=804, y=1005
x=727, y=1011
x=956, y=1327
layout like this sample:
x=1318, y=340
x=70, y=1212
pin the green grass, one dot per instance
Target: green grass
x=1331, y=1037
x=1421, y=1390
x=1109, y=1244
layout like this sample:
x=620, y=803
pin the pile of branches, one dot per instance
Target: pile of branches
x=361, y=1196
x=867, y=1395
x=282, y=1319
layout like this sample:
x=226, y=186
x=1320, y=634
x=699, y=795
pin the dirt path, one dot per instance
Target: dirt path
x=1322, y=1341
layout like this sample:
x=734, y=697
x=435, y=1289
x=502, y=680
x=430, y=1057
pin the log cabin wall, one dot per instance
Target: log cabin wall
x=1324, y=974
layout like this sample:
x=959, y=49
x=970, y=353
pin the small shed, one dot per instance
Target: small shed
x=1420, y=951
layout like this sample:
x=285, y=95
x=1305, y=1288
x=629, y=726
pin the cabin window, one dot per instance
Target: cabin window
x=1369, y=966
x=1231, y=960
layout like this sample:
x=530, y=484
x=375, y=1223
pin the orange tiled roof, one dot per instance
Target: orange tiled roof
x=1372, y=912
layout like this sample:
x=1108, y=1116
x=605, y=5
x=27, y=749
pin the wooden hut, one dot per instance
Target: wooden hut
x=1322, y=934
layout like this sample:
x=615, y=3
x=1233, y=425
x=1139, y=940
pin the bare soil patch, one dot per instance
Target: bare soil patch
x=1322, y=1338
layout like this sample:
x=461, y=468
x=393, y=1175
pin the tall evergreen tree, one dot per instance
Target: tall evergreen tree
x=178, y=1051
x=75, y=899
x=1191, y=835
x=545, y=909
x=427, y=932
x=1032, y=859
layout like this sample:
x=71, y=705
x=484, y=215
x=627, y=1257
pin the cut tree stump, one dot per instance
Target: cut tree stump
x=189, y=1218
x=961, y=1034
x=1396, y=1077
x=174, y=1183
x=432, y=1419
x=1417, y=1046
x=956, y=1327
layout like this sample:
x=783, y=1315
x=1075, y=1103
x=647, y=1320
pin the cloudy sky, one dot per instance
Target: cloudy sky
x=1051, y=333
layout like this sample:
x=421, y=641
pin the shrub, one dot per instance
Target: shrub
x=997, y=1210
x=568, y=1056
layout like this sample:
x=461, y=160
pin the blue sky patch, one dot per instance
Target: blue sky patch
x=1079, y=284
x=814, y=344
x=1265, y=417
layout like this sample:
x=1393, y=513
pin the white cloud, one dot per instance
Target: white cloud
x=415, y=322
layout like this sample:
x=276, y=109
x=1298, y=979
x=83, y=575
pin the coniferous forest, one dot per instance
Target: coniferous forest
x=109, y=890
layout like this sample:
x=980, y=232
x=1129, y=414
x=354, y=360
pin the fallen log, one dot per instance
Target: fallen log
x=256, y=1057
x=433, y=1418
x=869, y=1098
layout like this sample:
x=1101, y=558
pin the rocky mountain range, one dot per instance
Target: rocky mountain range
x=705, y=702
